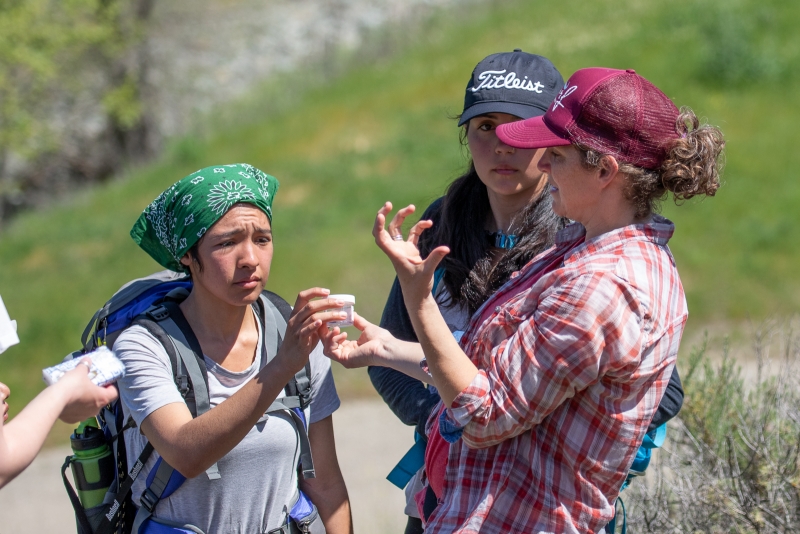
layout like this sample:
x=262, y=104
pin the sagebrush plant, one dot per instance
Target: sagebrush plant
x=731, y=462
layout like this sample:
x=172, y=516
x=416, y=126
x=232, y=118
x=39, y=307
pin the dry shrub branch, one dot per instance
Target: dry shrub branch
x=730, y=463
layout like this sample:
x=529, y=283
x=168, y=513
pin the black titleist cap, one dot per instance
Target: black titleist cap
x=515, y=82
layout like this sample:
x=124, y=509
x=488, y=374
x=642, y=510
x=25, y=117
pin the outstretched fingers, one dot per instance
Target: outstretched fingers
x=394, y=232
x=417, y=229
x=379, y=228
x=396, y=224
x=435, y=258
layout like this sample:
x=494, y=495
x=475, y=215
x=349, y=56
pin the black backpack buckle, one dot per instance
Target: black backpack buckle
x=305, y=398
x=149, y=500
x=158, y=313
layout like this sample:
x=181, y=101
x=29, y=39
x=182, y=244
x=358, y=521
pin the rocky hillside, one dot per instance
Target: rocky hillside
x=194, y=56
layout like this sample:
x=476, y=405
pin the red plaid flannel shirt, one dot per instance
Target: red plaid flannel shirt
x=571, y=373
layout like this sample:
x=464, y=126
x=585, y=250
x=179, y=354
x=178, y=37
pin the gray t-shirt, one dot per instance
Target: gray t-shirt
x=258, y=477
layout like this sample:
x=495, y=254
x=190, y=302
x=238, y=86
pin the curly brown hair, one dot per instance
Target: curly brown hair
x=692, y=167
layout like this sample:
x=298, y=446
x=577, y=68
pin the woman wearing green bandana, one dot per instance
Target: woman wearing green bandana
x=216, y=225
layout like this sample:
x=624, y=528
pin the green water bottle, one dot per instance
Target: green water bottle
x=92, y=463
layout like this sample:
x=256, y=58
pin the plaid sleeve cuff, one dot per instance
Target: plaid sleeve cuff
x=468, y=403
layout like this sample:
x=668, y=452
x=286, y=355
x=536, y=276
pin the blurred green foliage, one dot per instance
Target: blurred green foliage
x=51, y=51
x=379, y=130
x=715, y=394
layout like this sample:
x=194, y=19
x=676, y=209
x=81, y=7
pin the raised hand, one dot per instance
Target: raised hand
x=304, y=325
x=414, y=273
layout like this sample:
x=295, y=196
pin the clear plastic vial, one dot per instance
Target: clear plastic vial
x=349, y=306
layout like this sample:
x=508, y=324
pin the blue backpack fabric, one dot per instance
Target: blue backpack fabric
x=652, y=440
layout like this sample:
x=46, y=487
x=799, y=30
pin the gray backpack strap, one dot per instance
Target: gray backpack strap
x=274, y=327
x=284, y=403
x=301, y=385
x=303, y=381
x=306, y=461
x=87, y=332
x=272, y=340
x=272, y=336
x=188, y=360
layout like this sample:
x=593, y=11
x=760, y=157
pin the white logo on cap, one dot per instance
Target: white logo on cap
x=498, y=79
x=564, y=93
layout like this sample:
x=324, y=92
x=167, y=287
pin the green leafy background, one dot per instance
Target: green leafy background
x=380, y=129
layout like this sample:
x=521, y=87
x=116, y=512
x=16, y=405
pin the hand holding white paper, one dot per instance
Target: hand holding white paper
x=8, y=329
x=105, y=368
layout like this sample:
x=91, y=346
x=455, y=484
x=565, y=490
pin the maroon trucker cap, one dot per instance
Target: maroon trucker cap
x=615, y=112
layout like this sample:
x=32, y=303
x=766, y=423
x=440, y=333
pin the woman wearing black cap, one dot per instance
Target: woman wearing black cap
x=495, y=218
x=547, y=396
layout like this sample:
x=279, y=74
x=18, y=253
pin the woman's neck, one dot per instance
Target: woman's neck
x=610, y=214
x=505, y=208
x=212, y=318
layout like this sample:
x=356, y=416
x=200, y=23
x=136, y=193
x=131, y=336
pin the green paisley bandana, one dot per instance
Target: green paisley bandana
x=179, y=217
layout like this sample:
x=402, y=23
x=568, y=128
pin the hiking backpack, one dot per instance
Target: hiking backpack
x=152, y=302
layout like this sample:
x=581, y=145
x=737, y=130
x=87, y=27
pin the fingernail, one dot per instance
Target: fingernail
x=342, y=314
x=338, y=302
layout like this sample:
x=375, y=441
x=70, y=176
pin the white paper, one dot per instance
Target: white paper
x=8, y=329
x=105, y=369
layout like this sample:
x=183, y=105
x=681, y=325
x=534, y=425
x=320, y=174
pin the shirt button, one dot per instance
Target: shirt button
x=497, y=309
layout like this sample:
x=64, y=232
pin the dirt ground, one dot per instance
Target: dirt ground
x=369, y=442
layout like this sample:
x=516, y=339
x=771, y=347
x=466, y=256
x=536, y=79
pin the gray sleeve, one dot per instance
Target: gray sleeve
x=148, y=383
x=324, y=399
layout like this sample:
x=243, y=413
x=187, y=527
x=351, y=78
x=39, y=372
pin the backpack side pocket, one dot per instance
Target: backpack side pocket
x=306, y=516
